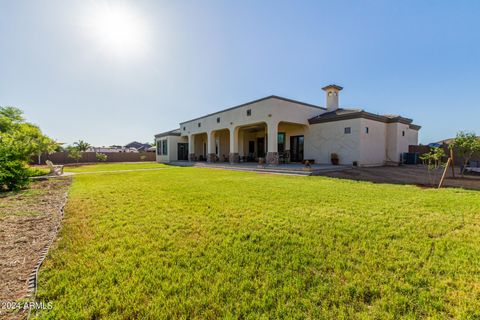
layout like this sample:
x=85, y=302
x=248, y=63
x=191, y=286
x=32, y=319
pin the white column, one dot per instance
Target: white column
x=272, y=145
x=211, y=156
x=234, y=156
x=191, y=147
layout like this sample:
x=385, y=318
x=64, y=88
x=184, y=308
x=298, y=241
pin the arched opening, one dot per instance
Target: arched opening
x=291, y=139
x=220, y=145
x=200, y=141
x=252, y=140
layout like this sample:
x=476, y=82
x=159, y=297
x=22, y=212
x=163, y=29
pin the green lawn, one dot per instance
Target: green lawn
x=207, y=244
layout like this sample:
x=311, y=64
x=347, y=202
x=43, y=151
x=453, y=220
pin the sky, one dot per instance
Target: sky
x=111, y=72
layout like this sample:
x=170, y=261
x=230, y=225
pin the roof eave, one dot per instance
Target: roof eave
x=253, y=102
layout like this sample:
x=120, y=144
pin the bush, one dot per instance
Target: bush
x=19, y=140
x=74, y=153
x=35, y=172
x=101, y=157
x=14, y=175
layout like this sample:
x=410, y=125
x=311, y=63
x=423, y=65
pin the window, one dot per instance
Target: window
x=165, y=147
x=218, y=120
x=366, y=130
x=348, y=130
x=184, y=128
x=281, y=142
x=403, y=133
x=199, y=124
x=162, y=147
x=249, y=112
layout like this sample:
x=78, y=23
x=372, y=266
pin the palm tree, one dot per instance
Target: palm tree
x=81, y=145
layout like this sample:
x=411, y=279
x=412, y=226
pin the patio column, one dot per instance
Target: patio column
x=211, y=155
x=191, y=147
x=234, y=156
x=272, y=143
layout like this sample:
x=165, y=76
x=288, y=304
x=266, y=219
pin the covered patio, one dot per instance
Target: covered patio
x=272, y=143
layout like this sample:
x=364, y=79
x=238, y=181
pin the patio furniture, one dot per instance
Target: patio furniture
x=473, y=166
x=284, y=157
x=54, y=169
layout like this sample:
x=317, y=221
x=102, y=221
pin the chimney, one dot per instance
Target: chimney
x=332, y=92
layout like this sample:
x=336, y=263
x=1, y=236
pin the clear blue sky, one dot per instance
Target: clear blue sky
x=183, y=59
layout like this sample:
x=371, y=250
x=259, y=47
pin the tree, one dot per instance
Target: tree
x=81, y=145
x=466, y=144
x=74, y=153
x=19, y=141
x=433, y=161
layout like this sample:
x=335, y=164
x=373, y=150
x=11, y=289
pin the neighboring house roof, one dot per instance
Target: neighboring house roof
x=138, y=145
x=174, y=132
x=255, y=101
x=447, y=141
x=346, y=114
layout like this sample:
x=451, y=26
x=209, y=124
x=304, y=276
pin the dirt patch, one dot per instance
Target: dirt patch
x=28, y=221
x=416, y=175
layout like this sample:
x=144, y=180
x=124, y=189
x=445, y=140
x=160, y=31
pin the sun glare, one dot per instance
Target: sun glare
x=118, y=30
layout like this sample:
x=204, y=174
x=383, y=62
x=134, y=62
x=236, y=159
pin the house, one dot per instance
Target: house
x=284, y=130
x=140, y=147
x=111, y=149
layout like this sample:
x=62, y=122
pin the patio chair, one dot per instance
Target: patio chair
x=54, y=169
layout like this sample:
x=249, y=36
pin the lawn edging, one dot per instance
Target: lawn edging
x=33, y=277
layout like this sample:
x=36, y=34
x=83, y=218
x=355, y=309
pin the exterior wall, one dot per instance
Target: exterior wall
x=323, y=139
x=373, y=144
x=172, y=148
x=397, y=143
x=270, y=111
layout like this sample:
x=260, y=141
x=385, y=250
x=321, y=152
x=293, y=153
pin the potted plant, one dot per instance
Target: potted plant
x=334, y=159
x=307, y=165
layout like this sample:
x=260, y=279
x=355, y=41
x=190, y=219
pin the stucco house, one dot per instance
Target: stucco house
x=284, y=130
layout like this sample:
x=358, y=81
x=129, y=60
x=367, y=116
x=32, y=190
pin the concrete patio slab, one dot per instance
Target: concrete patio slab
x=289, y=168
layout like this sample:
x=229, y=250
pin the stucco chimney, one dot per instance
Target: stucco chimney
x=332, y=92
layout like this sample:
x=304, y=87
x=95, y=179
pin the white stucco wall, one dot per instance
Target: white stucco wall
x=397, y=142
x=172, y=148
x=270, y=111
x=373, y=143
x=323, y=139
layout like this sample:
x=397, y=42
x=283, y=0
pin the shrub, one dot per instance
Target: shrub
x=74, y=153
x=14, y=175
x=101, y=157
x=19, y=140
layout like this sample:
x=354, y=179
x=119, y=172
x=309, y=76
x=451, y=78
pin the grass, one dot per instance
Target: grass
x=36, y=171
x=114, y=166
x=20, y=203
x=206, y=244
